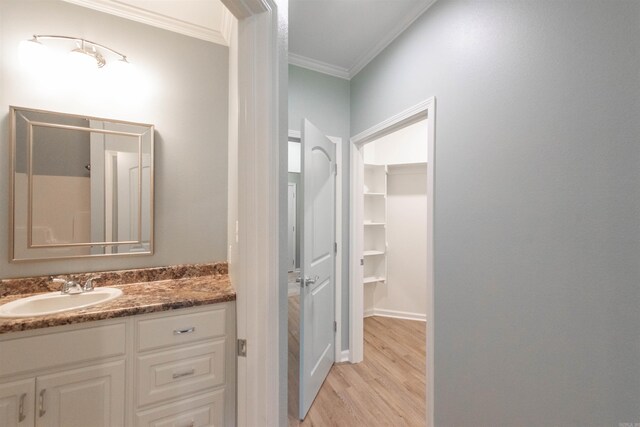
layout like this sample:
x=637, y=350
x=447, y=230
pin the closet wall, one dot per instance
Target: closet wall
x=396, y=243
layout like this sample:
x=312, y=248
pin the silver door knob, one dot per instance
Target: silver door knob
x=309, y=281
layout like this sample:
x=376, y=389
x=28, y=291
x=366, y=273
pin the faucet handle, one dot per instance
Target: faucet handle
x=88, y=285
x=65, y=287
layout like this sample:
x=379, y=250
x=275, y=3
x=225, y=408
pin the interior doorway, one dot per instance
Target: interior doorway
x=393, y=192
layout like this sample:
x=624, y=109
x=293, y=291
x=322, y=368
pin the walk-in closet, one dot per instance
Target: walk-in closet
x=394, y=224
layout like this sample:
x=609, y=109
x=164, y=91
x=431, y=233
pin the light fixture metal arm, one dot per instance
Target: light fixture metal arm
x=81, y=40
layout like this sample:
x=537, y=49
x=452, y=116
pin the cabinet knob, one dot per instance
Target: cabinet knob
x=21, y=414
x=42, y=409
x=184, y=331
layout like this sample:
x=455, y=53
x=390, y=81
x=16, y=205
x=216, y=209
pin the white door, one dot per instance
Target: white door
x=317, y=291
x=292, y=226
x=91, y=396
x=16, y=403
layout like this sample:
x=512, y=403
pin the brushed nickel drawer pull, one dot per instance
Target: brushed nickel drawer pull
x=184, y=374
x=42, y=409
x=21, y=415
x=184, y=331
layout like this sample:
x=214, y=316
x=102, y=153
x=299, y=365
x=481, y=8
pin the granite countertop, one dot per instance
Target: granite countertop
x=137, y=298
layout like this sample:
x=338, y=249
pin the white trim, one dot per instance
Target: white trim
x=405, y=118
x=368, y=56
x=261, y=375
x=226, y=25
x=356, y=289
x=424, y=109
x=394, y=314
x=155, y=19
x=400, y=27
x=319, y=66
x=344, y=356
x=338, y=259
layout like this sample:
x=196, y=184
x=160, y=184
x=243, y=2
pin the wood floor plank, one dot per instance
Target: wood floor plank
x=386, y=389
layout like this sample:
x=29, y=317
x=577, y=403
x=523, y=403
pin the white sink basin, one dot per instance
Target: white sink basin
x=55, y=302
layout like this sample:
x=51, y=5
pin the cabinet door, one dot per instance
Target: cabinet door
x=16, y=403
x=91, y=396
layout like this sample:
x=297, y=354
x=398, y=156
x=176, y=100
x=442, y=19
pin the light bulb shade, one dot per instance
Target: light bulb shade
x=119, y=68
x=34, y=55
x=80, y=61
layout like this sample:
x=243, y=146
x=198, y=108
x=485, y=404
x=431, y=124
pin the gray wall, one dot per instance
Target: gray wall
x=182, y=88
x=537, y=204
x=324, y=100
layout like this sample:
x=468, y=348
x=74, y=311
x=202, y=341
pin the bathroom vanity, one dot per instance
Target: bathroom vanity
x=162, y=354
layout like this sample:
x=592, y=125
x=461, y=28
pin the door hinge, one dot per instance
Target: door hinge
x=361, y=261
x=335, y=169
x=242, y=348
x=335, y=326
x=335, y=247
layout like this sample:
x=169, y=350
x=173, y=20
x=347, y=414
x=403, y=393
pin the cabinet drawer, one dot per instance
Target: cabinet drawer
x=180, y=328
x=174, y=373
x=199, y=411
x=61, y=348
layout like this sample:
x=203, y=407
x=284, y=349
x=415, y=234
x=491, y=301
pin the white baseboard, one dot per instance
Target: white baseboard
x=395, y=314
x=344, y=356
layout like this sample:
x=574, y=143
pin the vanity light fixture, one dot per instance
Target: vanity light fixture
x=84, y=49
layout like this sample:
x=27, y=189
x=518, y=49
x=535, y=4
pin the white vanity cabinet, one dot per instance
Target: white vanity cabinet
x=64, y=376
x=16, y=403
x=185, y=368
x=171, y=368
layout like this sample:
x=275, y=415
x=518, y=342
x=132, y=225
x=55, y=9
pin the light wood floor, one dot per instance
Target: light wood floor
x=386, y=389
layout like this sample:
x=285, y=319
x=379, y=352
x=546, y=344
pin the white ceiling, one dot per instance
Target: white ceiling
x=208, y=20
x=340, y=37
x=336, y=37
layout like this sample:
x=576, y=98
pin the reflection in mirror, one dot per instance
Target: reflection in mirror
x=82, y=186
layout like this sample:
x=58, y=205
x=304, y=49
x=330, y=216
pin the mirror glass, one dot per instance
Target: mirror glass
x=81, y=186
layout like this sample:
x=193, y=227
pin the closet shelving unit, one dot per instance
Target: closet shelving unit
x=375, y=226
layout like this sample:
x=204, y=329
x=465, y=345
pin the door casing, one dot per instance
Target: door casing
x=416, y=113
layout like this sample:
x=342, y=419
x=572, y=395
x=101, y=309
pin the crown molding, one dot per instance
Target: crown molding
x=402, y=25
x=368, y=56
x=319, y=66
x=144, y=16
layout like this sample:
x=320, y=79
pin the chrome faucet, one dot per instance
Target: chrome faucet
x=88, y=285
x=71, y=287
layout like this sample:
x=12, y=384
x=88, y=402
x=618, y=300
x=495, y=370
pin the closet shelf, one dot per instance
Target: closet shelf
x=374, y=223
x=374, y=194
x=373, y=279
x=372, y=253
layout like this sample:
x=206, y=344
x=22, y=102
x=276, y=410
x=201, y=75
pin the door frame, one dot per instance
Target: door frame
x=425, y=109
x=257, y=265
x=341, y=355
